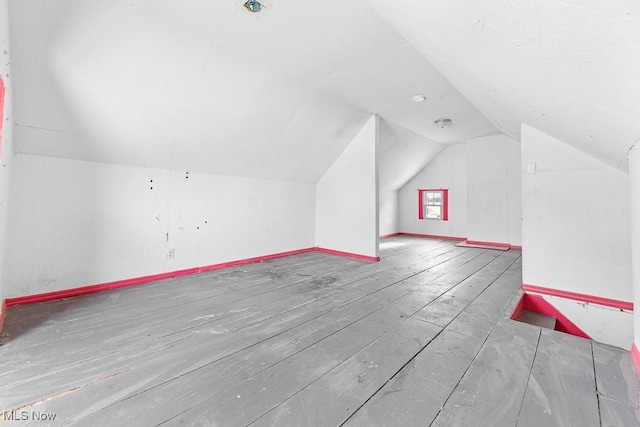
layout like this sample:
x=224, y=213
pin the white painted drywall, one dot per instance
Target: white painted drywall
x=76, y=223
x=634, y=187
x=493, y=190
x=448, y=170
x=347, y=197
x=388, y=206
x=6, y=155
x=576, y=223
x=401, y=154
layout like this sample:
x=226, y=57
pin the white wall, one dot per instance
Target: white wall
x=448, y=170
x=347, y=197
x=401, y=155
x=493, y=190
x=576, y=228
x=389, y=219
x=76, y=223
x=6, y=154
x=634, y=181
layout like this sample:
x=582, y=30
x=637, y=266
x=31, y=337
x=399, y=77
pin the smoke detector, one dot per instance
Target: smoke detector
x=253, y=6
x=443, y=122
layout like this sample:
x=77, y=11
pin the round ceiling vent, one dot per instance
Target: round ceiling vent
x=443, y=122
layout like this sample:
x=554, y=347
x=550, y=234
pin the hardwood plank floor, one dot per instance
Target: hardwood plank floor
x=420, y=338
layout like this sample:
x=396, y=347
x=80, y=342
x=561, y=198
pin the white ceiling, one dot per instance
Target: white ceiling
x=568, y=67
x=209, y=87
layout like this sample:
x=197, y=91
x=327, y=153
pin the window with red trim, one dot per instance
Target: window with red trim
x=433, y=204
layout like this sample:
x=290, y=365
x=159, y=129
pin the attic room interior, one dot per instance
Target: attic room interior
x=358, y=213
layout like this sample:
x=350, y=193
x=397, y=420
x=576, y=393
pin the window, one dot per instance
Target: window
x=433, y=204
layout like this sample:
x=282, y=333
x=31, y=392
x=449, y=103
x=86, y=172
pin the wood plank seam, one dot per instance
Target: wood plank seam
x=533, y=361
x=595, y=381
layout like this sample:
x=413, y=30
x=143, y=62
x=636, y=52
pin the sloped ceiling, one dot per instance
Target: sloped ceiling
x=206, y=86
x=568, y=67
x=402, y=154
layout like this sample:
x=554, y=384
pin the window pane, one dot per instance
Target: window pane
x=437, y=198
x=433, y=212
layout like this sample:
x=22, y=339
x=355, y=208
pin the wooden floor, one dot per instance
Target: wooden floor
x=420, y=338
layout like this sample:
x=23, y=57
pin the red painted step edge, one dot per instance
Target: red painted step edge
x=608, y=302
x=635, y=357
x=489, y=244
x=537, y=304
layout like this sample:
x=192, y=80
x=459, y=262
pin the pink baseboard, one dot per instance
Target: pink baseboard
x=592, y=299
x=386, y=236
x=485, y=245
x=3, y=313
x=537, y=304
x=348, y=254
x=635, y=357
x=431, y=236
x=66, y=293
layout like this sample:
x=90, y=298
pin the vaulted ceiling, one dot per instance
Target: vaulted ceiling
x=568, y=67
x=209, y=87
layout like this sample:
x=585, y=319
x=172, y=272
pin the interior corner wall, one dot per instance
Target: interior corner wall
x=76, y=223
x=6, y=140
x=347, y=197
x=447, y=171
x=388, y=211
x=493, y=190
x=634, y=181
x=576, y=230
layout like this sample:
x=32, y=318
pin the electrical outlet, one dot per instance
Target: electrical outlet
x=171, y=253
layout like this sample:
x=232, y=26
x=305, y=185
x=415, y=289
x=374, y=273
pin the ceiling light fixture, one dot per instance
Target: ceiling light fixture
x=253, y=6
x=419, y=98
x=443, y=122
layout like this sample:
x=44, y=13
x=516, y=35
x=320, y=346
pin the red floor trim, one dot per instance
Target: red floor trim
x=516, y=247
x=537, y=304
x=3, y=313
x=592, y=299
x=432, y=236
x=386, y=236
x=635, y=357
x=348, y=254
x=66, y=293
x=487, y=245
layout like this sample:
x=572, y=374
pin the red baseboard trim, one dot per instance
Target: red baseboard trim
x=3, y=313
x=487, y=245
x=537, y=304
x=592, y=299
x=432, y=236
x=66, y=293
x=348, y=254
x=635, y=357
x=386, y=236
x=516, y=247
